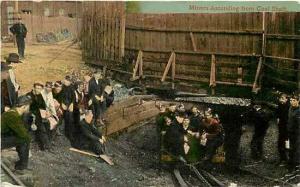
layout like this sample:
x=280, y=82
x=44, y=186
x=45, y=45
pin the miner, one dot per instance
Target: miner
x=36, y=107
x=261, y=117
x=96, y=98
x=79, y=106
x=294, y=133
x=196, y=120
x=213, y=135
x=14, y=133
x=67, y=104
x=282, y=119
x=9, y=86
x=20, y=32
x=174, y=137
x=90, y=137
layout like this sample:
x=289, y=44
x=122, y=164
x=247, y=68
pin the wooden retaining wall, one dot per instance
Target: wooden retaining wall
x=246, y=49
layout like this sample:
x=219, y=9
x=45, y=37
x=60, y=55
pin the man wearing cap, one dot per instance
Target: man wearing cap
x=38, y=104
x=294, y=133
x=20, y=31
x=96, y=98
x=14, y=132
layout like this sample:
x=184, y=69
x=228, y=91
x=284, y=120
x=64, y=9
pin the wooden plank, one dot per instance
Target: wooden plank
x=193, y=41
x=173, y=70
x=212, y=80
x=104, y=157
x=259, y=66
x=168, y=67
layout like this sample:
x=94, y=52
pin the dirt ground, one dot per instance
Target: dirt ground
x=45, y=62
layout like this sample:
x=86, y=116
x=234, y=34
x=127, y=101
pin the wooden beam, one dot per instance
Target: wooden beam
x=193, y=41
x=173, y=70
x=141, y=65
x=167, y=67
x=122, y=34
x=195, y=53
x=212, y=79
x=283, y=36
x=254, y=87
x=250, y=32
x=283, y=58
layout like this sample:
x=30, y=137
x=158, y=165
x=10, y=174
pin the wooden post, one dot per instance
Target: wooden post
x=138, y=67
x=193, y=41
x=254, y=87
x=173, y=71
x=297, y=47
x=240, y=75
x=262, y=60
x=212, y=80
x=171, y=59
x=122, y=34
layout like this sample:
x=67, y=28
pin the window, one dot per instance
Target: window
x=61, y=12
x=46, y=12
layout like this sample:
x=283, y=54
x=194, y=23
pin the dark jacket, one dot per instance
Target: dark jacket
x=13, y=125
x=282, y=112
x=19, y=30
x=68, y=95
x=95, y=89
x=89, y=132
x=196, y=124
x=294, y=121
x=10, y=96
x=174, y=139
x=37, y=104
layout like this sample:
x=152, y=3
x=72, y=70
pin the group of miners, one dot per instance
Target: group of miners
x=288, y=120
x=196, y=136
x=71, y=107
x=188, y=135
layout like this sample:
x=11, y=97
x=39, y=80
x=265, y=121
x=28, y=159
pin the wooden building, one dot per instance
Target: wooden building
x=244, y=50
x=38, y=10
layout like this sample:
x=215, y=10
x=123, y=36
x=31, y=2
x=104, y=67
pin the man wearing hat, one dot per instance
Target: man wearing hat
x=20, y=31
x=14, y=132
x=9, y=87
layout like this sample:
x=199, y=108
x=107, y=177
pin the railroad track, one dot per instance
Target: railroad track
x=204, y=177
x=12, y=175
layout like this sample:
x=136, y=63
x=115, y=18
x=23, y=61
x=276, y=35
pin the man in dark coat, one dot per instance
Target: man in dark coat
x=294, y=133
x=78, y=106
x=282, y=120
x=37, y=104
x=196, y=124
x=9, y=87
x=97, y=101
x=68, y=99
x=20, y=31
x=174, y=137
x=90, y=137
x=261, y=117
x=15, y=134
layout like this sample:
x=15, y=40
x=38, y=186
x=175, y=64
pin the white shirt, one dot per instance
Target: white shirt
x=49, y=101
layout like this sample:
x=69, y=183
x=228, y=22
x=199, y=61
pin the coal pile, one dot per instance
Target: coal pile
x=217, y=100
